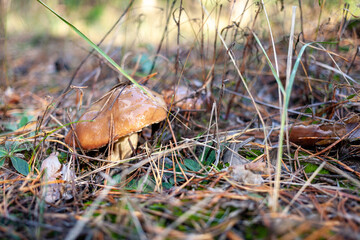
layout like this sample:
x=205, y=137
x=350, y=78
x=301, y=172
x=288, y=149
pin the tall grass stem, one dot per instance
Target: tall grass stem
x=289, y=82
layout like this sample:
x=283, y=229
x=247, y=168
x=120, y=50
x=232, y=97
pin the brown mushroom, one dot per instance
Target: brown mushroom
x=118, y=116
x=183, y=98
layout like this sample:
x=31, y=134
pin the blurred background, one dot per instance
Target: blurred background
x=177, y=39
x=146, y=19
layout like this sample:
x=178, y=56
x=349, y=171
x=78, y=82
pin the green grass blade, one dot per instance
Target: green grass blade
x=293, y=74
x=294, y=70
x=273, y=70
x=51, y=132
x=94, y=46
x=287, y=99
x=286, y=105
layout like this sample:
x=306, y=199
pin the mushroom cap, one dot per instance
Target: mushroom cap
x=181, y=92
x=126, y=111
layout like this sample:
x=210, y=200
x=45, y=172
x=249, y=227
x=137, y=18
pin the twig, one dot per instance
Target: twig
x=162, y=38
x=307, y=183
x=353, y=60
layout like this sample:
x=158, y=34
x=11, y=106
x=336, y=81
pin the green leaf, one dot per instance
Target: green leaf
x=12, y=126
x=179, y=178
x=351, y=96
x=132, y=185
x=19, y=149
x=167, y=185
x=211, y=158
x=310, y=168
x=184, y=168
x=8, y=145
x=171, y=181
x=23, y=121
x=2, y=161
x=145, y=63
x=71, y=4
x=3, y=153
x=192, y=165
x=94, y=15
x=168, y=166
x=20, y=165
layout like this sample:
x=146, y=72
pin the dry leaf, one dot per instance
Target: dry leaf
x=241, y=174
x=319, y=134
x=256, y=166
x=240, y=168
x=54, y=170
x=324, y=134
x=351, y=123
x=68, y=175
x=10, y=97
x=232, y=157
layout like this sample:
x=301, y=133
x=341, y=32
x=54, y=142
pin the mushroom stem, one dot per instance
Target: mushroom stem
x=124, y=147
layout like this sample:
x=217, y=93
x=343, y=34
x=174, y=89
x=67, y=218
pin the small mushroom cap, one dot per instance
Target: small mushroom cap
x=125, y=111
x=183, y=94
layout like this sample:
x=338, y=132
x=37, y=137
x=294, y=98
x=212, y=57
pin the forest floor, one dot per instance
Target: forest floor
x=211, y=169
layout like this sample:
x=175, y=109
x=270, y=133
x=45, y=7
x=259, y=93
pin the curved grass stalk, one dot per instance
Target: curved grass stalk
x=273, y=70
x=283, y=122
x=101, y=52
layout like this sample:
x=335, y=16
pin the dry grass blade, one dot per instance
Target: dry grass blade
x=247, y=89
x=87, y=216
x=307, y=183
x=230, y=73
x=197, y=207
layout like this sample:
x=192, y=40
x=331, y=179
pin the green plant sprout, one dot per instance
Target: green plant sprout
x=11, y=150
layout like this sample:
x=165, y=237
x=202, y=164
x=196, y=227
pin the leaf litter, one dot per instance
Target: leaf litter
x=194, y=176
